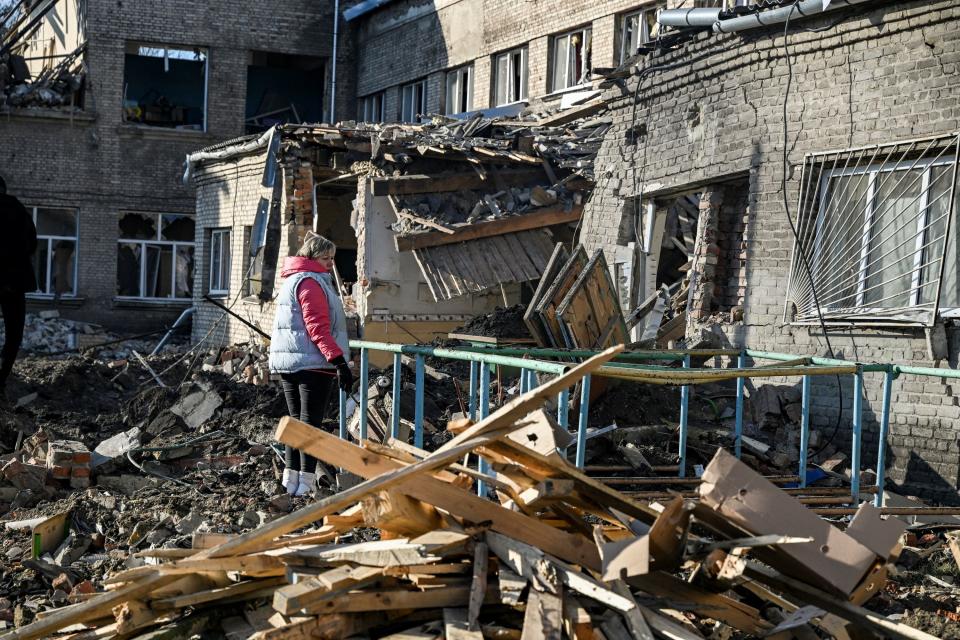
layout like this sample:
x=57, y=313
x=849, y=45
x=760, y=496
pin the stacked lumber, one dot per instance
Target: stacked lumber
x=555, y=555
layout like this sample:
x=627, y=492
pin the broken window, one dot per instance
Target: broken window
x=413, y=101
x=370, y=108
x=220, y=252
x=459, y=90
x=872, y=229
x=165, y=86
x=283, y=88
x=571, y=59
x=55, y=261
x=155, y=256
x=510, y=77
x=637, y=28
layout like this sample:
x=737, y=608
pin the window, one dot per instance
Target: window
x=510, y=77
x=255, y=241
x=413, y=101
x=638, y=28
x=155, y=256
x=283, y=88
x=371, y=108
x=873, y=229
x=459, y=90
x=165, y=87
x=571, y=59
x=220, y=252
x=55, y=262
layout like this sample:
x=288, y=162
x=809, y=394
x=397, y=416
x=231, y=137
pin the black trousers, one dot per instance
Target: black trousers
x=307, y=394
x=14, y=308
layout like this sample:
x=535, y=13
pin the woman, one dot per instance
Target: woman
x=309, y=346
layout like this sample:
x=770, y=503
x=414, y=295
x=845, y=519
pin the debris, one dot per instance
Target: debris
x=198, y=406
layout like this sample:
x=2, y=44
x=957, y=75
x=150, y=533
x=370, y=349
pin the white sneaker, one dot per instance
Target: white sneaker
x=308, y=484
x=291, y=480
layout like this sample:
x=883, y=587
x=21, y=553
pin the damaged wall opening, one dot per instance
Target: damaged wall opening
x=165, y=86
x=510, y=77
x=155, y=256
x=283, y=88
x=571, y=59
x=637, y=28
x=459, y=90
x=413, y=101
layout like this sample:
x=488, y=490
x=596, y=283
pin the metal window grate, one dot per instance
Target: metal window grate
x=871, y=225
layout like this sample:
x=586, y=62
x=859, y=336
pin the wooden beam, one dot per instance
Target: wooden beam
x=386, y=600
x=445, y=183
x=545, y=217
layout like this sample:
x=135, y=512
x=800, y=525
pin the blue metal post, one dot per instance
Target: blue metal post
x=684, y=415
x=484, y=412
x=397, y=389
x=531, y=379
x=418, y=404
x=857, y=436
x=472, y=403
x=882, y=438
x=804, y=428
x=582, y=422
x=738, y=427
x=343, y=414
x=563, y=408
x=364, y=384
x=523, y=381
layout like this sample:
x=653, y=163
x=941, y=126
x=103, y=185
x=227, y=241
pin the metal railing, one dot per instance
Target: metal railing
x=633, y=366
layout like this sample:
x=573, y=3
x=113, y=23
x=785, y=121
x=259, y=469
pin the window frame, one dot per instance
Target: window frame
x=203, y=55
x=524, y=76
x=462, y=77
x=371, y=103
x=45, y=293
x=414, y=112
x=220, y=276
x=645, y=37
x=586, y=34
x=158, y=242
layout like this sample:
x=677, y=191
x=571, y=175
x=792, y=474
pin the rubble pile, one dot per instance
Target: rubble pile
x=409, y=550
x=58, y=85
x=244, y=362
x=47, y=332
x=502, y=322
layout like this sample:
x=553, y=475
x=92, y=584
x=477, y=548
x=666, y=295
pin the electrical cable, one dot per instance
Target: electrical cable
x=796, y=235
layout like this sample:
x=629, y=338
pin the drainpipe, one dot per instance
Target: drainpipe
x=333, y=65
x=777, y=16
x=699, y=17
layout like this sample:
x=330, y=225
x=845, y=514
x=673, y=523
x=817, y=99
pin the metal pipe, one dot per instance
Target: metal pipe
x=626, y=356
x=684, y=417
x=683, y=481
x=582, y=422
x=459, y=354
x=523, y=381
x=777, y=16
x=700, y=17
x=342, y=417
x=738, y=424
x=333, y=62
x=249, y=324
x=804, y=428
x=474, y=374
x=857, y=436
x=397, y=390
x=482, y=466
x=882, y=437
x=951, y=214
x=926, y=371
x=419, y=370
x=364, y=384
x=829, y=362
x=563, y=408
x=187, y=313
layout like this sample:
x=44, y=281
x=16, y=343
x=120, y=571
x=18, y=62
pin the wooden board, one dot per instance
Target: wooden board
x=547, y=308
x=557, y=260
x=590, y=311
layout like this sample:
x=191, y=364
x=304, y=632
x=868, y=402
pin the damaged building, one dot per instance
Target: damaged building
x=692, y=171
x=100, y=101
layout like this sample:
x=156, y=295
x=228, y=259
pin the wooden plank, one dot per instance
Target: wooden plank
x=399, y=514
x=444, y=496
x=445, y=183
x=457, y=627
x=430, y=274
x=530, y=317
x=212, y=595
x=478, y=587
x=390, y=600
x=555, y=293
x=400, y=212
x=294, y=597
x=543, y=619
x=573, y=113
x=539, y=218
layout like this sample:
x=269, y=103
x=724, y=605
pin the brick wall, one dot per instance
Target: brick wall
x=409, y=39
x=97, y=164
x=887, y=74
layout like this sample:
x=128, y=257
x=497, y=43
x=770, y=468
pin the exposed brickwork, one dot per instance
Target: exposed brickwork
x=887, y=74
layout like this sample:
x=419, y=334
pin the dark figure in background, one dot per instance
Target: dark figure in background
x=18, y=242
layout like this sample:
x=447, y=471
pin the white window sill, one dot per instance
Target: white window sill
x=587, y=86
x=47, y=299
x=123, y=301
x=130, y=130
x=218, y=294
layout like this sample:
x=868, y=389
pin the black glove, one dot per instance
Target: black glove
x=344, y=375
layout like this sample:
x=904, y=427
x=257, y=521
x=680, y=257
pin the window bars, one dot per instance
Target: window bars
x=871, y=225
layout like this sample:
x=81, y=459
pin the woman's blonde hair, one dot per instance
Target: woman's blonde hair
x=315, y=245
